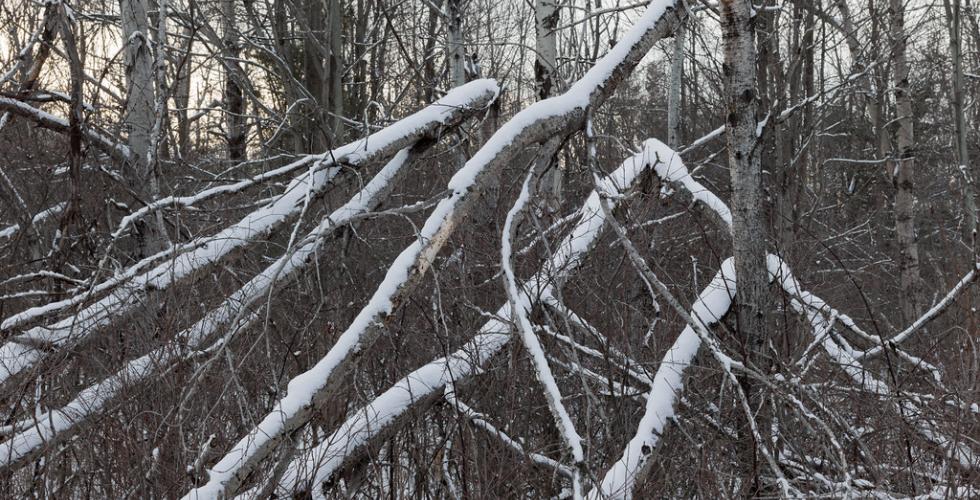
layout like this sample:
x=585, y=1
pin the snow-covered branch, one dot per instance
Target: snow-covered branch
x=19, y=354
x=495, y=333
x=116, y=151
x=539, y=122
x=56, y=425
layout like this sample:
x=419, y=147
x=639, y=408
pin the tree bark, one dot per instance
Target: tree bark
x=546, y=16
x=748, y=214
x=139, y=117
x=674, y=92
x=903, y=169
x=235, y=133
x=954, y=24
x=455, y=49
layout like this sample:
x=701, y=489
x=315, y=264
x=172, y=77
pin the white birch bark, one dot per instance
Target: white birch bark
x=748, y=209
x=139, y=116
x=903, y=169
x=455, y=50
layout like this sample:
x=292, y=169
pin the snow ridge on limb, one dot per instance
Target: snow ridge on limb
x=41, y=216
x=450, y=109
x=521, y=305
x=20, y=352
x=537, y=123
x=41, y=430
x=425, y=383
x=115, y=150
x=813, y=308
x=711, y=305
x=495, y=333
x=624, y=473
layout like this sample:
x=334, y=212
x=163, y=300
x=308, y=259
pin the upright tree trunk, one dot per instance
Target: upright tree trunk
x=748, y=210
x=76, y=71
x=954, y=23
x=674, y=91
x=324, y=71
x=456, y=52
x=335, y=66
x=546, y=16
x=182, y=92
x=428, y=88
x=318, y=135
x=903, y=169
x=139, y=116
x=233, y=95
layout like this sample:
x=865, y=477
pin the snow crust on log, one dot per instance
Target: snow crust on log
x=492, y=335
x=19, y=354
x=51, y=424
x=661, y=401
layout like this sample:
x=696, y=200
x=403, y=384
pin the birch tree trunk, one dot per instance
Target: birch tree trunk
x=456, y=53
x=674, y=92
x=903, y=170
x=953, y=23
x=749, y=228
x=139, y=116
x=182, y=92
x=546, y=16
x=234, y=99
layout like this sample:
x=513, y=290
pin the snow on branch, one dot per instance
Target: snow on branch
x=661, y=401
x=116, y=151
x=41, y=216
x=480, y=421
x=521, y=306
x=814, y=307
x=19, y=352
x=538, y=123
x=56, y=425
x=425, y=384
x=805, y=303
x=494, y=334
x=965, y=283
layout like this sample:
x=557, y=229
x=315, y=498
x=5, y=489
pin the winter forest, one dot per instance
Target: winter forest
x=458, y=249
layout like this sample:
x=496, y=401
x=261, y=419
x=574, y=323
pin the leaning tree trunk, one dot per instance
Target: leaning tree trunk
x=139, y=118
x=749, y=227
x=903, y=170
